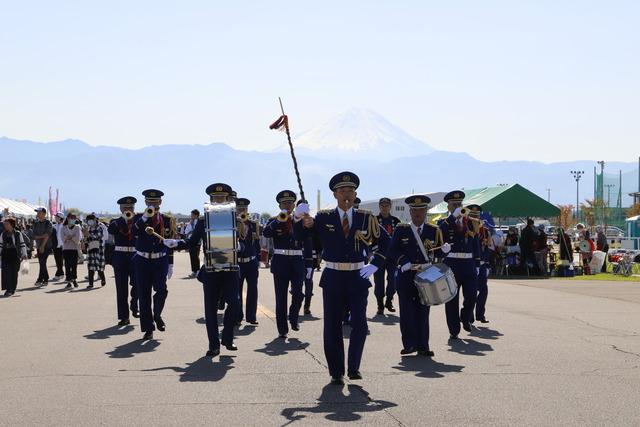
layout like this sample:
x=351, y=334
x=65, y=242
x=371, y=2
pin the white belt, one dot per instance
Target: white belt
x=289, y=252
x=344, y=266
x=151, y=255
x=459, y=255
x=125, y=248
x=248, y=259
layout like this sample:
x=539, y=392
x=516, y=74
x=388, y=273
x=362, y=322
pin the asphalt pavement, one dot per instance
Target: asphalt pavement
x=554, y=353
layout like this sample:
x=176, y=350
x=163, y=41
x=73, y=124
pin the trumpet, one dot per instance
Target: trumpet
x=128, y=215
x=467, y=213
x=283, y=217
x=151, y=232
x=150, y=211
x=243, y=216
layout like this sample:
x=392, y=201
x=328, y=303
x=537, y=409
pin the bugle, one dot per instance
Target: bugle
x=150, y=211
x=283, y=217
x=128, y=215
x=151, y=232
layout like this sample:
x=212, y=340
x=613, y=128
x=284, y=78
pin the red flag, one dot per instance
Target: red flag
x=281, y=124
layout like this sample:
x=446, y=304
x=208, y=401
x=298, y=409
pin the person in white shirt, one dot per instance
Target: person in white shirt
x=57, y=249
x=194, y=251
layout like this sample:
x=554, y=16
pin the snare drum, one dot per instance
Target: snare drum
x=221, y=253
x=436, y=284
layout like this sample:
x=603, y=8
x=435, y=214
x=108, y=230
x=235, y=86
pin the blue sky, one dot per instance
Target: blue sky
x=543, y=80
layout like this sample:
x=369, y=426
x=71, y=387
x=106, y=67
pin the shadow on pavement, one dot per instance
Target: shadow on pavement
x=426, y=367
x=109, y=332
x=385, y=319
x=338, y=406
x=486, y=333
x=469, y=347
x=282, y=346
x=307, y=318
x=59, y=290
x=33, y=288
x=203, y=369
x=132, y=348
x=245, y=330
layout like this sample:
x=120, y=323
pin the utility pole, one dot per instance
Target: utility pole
x=549, y=195
x=608, y=202
x=577, y=175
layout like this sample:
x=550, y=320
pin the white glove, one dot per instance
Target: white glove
x=405, y=267
x=367, y=271
x=145, y=214
x=446, y=248
x=170, y=243
x=487, y=271
x=301, y=210
x=477, y=271
x=457, y=212
x=309, y=271
x=170, y=271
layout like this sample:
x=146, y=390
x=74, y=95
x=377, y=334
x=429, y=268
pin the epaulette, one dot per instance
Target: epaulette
x=325, y=211
x=365, y=211
x=403, y=224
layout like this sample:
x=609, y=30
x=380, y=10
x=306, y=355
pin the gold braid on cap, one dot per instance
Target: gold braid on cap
x=373, y=232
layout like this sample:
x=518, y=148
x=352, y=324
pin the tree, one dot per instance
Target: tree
x=566, y=216
x=592, y=210
x=633, y=210
x=265, y=216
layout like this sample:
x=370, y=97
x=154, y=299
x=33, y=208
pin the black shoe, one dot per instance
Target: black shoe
x=68, y=286
x=38, y=283
x=355, y=375
x=160, y=324
x=483, y=320
x=239, y=323
x=230, y=347
x=466, y=326
x=102, y=283
x=453, y=337
x=147, y=336
x=295, y=326
x=45, y=283
x=427, y=353
x=283, y=336
x=337, y=381
x=135, y=313
x=254, y=323
x=124, y=322
x=389, y=305
x=75, y=284
x=89, y=286
x=406, y=351
x=213, y=353
x=8, y=294
x=307, y=311
x=380, y=311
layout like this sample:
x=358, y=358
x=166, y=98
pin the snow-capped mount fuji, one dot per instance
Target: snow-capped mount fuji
x=362, y=133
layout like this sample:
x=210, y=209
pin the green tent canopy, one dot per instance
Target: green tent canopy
x=508, y=201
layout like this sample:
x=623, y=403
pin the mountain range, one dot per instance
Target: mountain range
x=388, y=160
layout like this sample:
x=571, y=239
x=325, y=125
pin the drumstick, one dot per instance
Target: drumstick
x=151, y=232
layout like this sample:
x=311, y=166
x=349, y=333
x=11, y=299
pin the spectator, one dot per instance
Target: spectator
x=512, y=248
x=57, y=246
x=12, y=251
x=566, y=250
x=95, y=238
x=542, y=251
x=27, y=233
x=194, y=251
x=602, y=245
x=527, y=239
x=71, y=235
x=42, y=230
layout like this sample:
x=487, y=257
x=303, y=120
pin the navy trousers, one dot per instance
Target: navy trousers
x=342, y=291
x=123, y=272
x=483, y=292
x=216, y=285
x=249, y=273
x=150, y=274
x=287, y=270
x=466, y=277
x=379, y=278
x=414, y=317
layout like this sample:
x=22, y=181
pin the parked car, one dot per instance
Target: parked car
x=614, y=233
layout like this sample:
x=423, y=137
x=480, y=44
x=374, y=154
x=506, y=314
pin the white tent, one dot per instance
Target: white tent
x=15, y=208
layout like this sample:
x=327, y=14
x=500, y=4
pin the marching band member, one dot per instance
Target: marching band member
x=413, y=247
x=345, y=234
x=153, y=262
x=485, y=258
x=464, y=260
x=122, y=261
x=287, y=264
x=215, y=283
x=248, y=261
x=389, y=223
